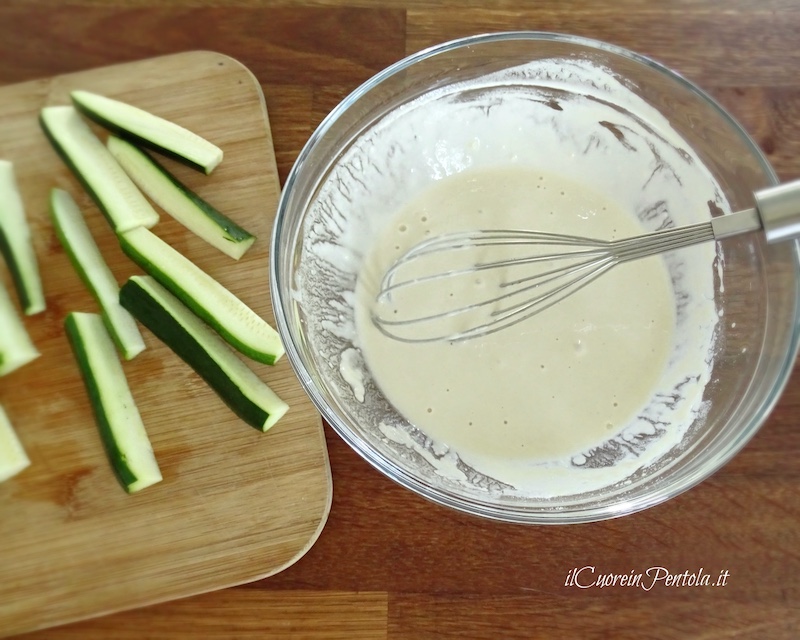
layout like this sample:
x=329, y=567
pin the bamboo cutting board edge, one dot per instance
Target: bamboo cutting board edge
x=301, y=430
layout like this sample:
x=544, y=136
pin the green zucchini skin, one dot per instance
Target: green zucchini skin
x=183, y=204
x=82, y=100
x=206, y=297
x=114, y=408
x=16, y=245
x=8, y=251
x=85, y=256
x=16, y=347
x=112, y=190
x=138, y=140
x=191, y=340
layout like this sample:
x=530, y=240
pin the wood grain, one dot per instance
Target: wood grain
x=435, y=573
x=249, y=614
x=235, y=504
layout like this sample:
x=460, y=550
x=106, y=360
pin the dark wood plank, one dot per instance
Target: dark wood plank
x=245, y=615
x=639, y=616
x=710, y=46
x=770, y=115
x=290, y=112
x=280, y=46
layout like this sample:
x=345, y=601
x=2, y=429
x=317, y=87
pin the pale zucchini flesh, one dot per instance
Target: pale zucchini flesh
x=183, y=204
x=118, y=420
x=13, y=458
x=149, y=130
x=16, y=244
x=239, y=325
x=87, y=260
x=184, y=333
x=16, y=347
x=95, y=168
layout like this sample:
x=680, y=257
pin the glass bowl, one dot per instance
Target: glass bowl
x=755, y=285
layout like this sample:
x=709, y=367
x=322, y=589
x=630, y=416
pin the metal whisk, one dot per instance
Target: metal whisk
x=546, y=269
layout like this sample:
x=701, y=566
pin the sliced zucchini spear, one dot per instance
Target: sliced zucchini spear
x=16, y=348
x=179, y=201
x=149, y=130
x=85, y=256
x=183, y=332
x=13, y=458
x=118, y=419
x=115, y=194
x=241, y=327
x=16, y=245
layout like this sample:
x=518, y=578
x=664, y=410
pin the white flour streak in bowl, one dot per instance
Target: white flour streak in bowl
x=563, y=118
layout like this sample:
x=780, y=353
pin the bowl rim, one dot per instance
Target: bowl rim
x=506, y=513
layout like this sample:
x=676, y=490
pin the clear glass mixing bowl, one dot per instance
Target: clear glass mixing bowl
x=757, y=337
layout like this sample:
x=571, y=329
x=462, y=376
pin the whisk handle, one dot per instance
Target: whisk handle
x=779, y=209
x=734, y=224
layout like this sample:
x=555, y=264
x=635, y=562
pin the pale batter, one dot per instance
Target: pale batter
x=550, y=387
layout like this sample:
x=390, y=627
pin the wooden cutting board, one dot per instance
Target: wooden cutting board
x=235, y=504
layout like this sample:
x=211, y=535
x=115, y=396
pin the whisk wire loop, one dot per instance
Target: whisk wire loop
x=563, y=264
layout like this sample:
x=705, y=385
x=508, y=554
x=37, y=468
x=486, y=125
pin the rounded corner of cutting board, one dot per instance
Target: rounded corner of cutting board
x=312, y=539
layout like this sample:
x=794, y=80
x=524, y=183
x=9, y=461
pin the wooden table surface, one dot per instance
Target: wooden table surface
x=390, y=564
